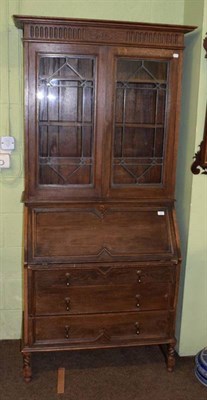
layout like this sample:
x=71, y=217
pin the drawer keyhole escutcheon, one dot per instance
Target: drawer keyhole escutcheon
x=67, y=279
x=67, y=303
x=137, y=328
x=67, y=332
x=138, y=276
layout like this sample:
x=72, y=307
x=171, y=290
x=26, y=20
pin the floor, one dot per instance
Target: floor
x=116, y=374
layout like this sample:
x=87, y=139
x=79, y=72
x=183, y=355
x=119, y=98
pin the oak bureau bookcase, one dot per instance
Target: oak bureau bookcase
x=102, y=253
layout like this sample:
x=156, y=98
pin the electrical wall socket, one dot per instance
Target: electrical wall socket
x=4, y=160
x=7, y=143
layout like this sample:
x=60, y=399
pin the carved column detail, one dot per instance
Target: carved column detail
x=154, y=38
x=56, y=32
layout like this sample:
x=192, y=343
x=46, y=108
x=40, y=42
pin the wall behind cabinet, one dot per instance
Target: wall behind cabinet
x=11, y=109
x=192, y=189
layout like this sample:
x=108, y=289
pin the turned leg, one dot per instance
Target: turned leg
x=27, y=370
x=170, y=357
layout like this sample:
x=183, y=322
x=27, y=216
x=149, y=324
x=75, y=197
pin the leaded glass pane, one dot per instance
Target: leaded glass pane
x=139, y=126
x=65, y=96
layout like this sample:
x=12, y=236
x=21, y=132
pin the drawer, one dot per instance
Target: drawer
x=60, y=277
x=105, y=329
x=100, y=299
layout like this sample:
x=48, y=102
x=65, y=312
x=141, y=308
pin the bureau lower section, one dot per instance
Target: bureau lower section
x=101, y=305
x=100, y=277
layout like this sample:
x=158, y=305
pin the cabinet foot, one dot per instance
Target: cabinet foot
x=27, y=370
x=170, y=357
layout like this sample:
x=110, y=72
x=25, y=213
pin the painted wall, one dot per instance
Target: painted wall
x=11, y=181
x=11, y=112
x=192, y=189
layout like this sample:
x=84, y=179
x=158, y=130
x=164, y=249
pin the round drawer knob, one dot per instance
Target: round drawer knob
x=67, y=303
x=67, y=275
x=138, y=276
x=137, y=300
x=137, y=328
x=67, y=332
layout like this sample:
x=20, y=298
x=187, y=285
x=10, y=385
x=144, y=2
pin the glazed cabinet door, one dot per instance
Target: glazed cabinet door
x=65, y=122
x=144, y=86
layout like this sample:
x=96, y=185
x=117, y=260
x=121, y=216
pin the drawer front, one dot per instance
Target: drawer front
x=93, y=330
x=60, y=277
x=83, y=289
x=100, y=299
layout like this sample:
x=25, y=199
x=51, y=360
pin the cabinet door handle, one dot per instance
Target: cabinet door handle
x=67, y=303
x=67, y=332
x=67, y=275
x=137, y=328
x=138, y=276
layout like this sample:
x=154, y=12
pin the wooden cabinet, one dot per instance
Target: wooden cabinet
x=102, y=253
